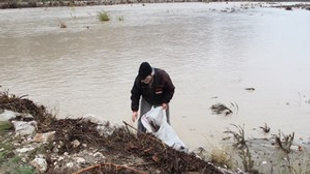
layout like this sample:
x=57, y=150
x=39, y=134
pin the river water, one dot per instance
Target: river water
x=212, y=51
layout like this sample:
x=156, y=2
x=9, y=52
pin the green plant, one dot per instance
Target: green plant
x=25, y=169
x=6, y=145
x=19, y=2
x=15, y=165
x=244, y=151
x=103, y=16
x=5, y=126
x=2, y=156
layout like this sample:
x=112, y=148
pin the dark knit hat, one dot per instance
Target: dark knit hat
x=144, y=70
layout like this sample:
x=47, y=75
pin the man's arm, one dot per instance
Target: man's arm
x=135, y=95
x=168, y=88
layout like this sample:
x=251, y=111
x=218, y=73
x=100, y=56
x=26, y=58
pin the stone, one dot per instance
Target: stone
x=23, y=128
x=105, y=129
x=25, y=149
x=75, y=143
x=79, y=160
x=7, y=115
x=98, y=155
x=70, y=165
x=139, y=160
x=92, y=118
x=44, y=137
x=40, y=164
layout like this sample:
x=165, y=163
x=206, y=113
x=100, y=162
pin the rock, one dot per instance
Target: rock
x=44, y=137
x=221, y=109
x=23, y=128
x=75, y=143
x=7, y=115
x=99, y=155
x=60, y=158
x=92, y=118
x=55, y=150
x=79, y=160
x=69, y=165
x=106, y=129
x=40, y=164
x=139, y=160
x=25, y=149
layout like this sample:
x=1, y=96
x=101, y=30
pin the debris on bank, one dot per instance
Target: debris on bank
x=303, y=6
x=39, y=142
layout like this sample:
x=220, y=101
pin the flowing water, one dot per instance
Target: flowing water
x=212, y=51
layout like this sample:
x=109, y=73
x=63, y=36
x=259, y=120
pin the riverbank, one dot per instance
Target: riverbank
x=35, y=141
x=5, y=4
x=38, y=3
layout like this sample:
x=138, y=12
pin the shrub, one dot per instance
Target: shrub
x=103, y=16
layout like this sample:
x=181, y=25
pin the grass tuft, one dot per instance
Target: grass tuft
x=103, y=16
x=5, y=126
x=221, y=157
x=15, y=165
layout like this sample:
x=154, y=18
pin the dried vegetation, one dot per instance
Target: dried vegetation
x=121, y=144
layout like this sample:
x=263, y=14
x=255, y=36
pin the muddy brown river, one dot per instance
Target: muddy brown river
x=212, y=51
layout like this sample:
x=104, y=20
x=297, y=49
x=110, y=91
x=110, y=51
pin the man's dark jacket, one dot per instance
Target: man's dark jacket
x=160, y=91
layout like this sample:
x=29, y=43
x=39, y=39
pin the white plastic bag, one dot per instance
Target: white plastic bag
x=155, y=121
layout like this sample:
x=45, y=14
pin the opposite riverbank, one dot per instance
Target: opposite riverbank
x=5, y=4
x=61, y=3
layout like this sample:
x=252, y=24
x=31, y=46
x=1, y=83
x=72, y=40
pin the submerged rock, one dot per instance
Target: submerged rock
x=220, y=109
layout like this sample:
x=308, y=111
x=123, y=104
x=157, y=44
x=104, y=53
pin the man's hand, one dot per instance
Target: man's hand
x=134, y=115
x=165, y=106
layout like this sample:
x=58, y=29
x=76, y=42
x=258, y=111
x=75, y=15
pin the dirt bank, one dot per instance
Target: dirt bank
x=84, y=145
x=32, y=140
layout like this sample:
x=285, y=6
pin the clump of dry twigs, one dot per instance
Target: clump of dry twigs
x=284, y=142
x=22, y=105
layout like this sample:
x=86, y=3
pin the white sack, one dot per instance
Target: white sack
x=155, y=121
